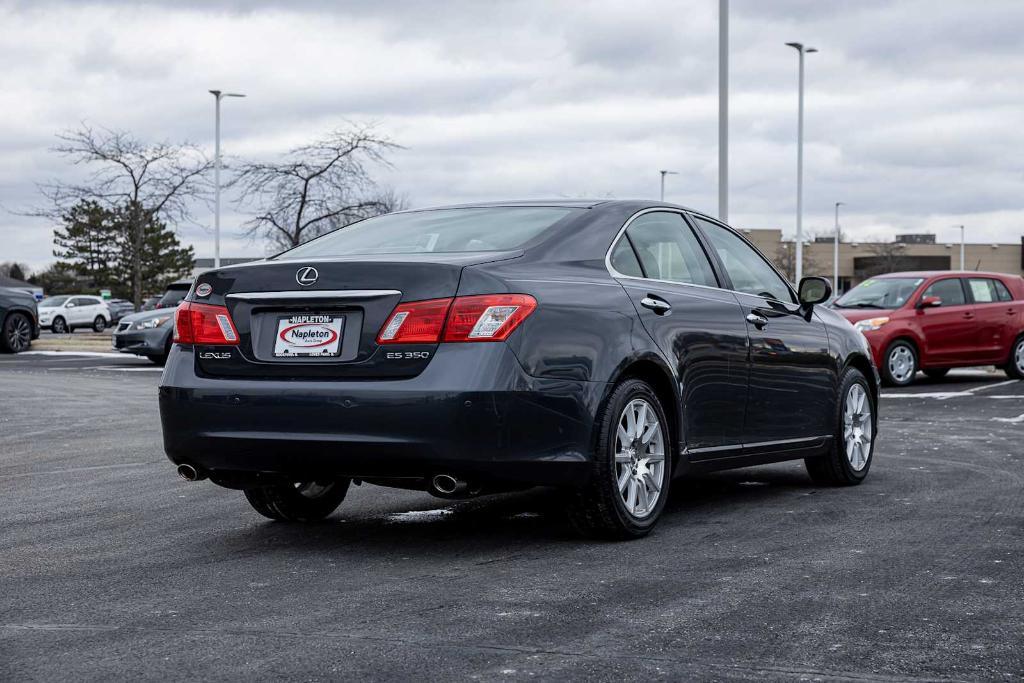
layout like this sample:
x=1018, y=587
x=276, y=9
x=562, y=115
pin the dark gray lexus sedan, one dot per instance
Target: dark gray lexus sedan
x=606, y=348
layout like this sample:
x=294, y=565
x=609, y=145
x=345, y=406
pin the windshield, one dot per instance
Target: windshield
x=53, y=302
x=890, y=292
x=445, y=230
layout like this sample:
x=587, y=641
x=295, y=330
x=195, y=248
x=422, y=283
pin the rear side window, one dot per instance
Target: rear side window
x=442, y=230
x=986, y=290
x=668, y=249
x=748, y=270
x=624, y=260
x=950, y=290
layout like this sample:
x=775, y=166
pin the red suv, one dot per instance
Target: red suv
x=934, y=321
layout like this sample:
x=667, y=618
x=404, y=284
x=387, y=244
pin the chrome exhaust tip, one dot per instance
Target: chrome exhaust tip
x=190, y=473
x=447, y=484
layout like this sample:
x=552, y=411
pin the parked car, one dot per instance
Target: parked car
x=605, y=348
x=19, y=320
x=934, y=321
x=119, y=308
x=66, y=313
x=173, y=295
x=145, y=334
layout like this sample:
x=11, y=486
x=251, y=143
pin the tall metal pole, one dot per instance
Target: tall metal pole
x=963, y=241
x=835, y=254
x=800, y=164
x=217, y=94
x=216, y=183
x=663, y=174
x=723, y=110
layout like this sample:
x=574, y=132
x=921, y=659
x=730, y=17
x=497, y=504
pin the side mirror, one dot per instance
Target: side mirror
x=70, y=304
x=814, y=290
x=929, y=302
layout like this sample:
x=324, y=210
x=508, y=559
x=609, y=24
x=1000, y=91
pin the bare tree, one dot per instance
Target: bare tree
x=785, y=260
x=156, y=181
x=317, y=187
x=886, y=257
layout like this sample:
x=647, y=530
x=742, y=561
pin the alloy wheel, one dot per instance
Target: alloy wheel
x=639, y=458
x=901, y=364
x=59, y=326
x=857, y=427
x=19, y=334
x=1018, y=356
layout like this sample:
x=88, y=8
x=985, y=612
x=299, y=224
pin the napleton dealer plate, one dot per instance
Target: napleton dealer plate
x=308, y=335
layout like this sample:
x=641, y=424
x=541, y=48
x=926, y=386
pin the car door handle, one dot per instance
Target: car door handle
x=758, y=321
x=968, y=315
x=656, y=305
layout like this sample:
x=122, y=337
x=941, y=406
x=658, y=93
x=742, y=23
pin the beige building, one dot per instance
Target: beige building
x=861, y=260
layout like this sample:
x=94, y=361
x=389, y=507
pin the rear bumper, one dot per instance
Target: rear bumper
x=473, y=412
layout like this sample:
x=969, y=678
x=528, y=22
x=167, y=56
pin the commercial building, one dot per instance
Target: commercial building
x=861, y=260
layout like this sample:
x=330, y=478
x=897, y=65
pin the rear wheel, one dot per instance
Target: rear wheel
x=1015, y=368
x=848, y=461
x=632, y=467
x=99, y=324
x=900, y=363
x=59, y=326
x=16, y=335
x=936, y=373
x=306, y=501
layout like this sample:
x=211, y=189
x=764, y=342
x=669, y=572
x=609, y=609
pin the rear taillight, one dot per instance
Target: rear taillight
x=415, y=322
x=203, y=324
x=488, y=317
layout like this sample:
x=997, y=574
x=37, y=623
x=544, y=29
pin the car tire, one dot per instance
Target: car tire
x=616, y=503
x=936, y=373
x=899, y=365
x=99, y=324
x=16, y=335
x=849, y=458
x=1014, y=368
x=309, y=501
x=59, y=326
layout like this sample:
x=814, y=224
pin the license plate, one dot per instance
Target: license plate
x=301, y=336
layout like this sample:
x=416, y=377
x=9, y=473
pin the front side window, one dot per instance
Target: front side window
x=441, y=230
x=747, y=269
x=668, y=249
x=53, y=302
x=950, y=290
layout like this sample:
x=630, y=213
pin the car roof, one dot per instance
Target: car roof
x=936, y=273
x=554, y=203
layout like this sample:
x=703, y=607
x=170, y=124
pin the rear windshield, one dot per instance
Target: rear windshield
x=890, y=292
x=173, y=296
x=444, y=230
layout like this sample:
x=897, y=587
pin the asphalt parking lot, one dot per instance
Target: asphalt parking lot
x=112, y=567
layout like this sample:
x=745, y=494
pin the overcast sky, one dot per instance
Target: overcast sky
x=914, y=112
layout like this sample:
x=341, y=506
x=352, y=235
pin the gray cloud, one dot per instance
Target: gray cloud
x=913, y=108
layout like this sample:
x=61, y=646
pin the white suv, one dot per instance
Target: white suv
x=64, y=313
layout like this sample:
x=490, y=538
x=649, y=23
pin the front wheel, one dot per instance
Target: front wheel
x=849, y=459
x=900, y=363
x=16, y=335
x=632, y=468
x=306, y=501
x=99, y=324
x=59, y=326
x=1015, y=367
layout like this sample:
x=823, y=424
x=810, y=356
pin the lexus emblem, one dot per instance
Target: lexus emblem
x=307, y=276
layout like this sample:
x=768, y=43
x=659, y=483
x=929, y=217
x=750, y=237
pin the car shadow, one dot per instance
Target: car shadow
x=513, y=522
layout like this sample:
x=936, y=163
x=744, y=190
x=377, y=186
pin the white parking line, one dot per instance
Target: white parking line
x=91, y=354
x=998, y=384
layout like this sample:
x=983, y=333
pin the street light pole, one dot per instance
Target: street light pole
x=663, y=174
x=835, y=254
x=218, y=95
x=723, y=110
x=799, y=47
x=963, y=241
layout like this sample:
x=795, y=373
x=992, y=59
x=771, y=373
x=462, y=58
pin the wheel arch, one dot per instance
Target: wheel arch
x=863, y=364
x=653, y=370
